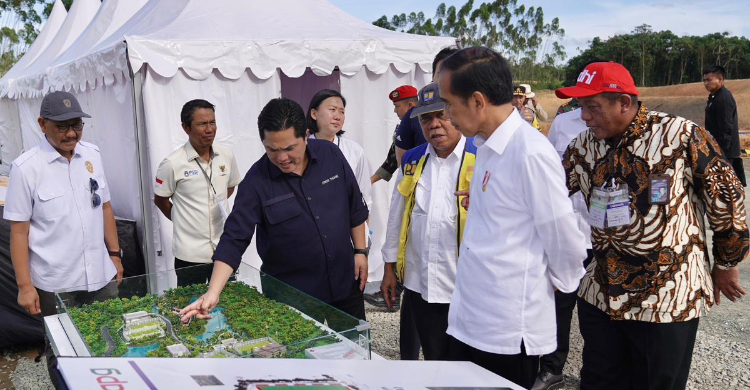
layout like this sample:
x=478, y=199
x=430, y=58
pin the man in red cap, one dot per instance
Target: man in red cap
x=404, y=98
x=648, y=178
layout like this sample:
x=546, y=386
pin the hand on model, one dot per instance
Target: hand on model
x=200, y=308
x=360, y=270
x=28, y=299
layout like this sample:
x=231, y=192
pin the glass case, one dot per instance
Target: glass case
x=257, y=316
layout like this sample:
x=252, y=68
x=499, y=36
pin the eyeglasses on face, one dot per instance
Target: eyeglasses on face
x=96, y=200
x=64, y=127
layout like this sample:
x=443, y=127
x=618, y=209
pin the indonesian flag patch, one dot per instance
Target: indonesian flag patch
x=159, y=182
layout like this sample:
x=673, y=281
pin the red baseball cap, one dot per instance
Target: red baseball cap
x=600, y=77
x=403, y=92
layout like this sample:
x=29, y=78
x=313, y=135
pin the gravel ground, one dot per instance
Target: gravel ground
x=722, y=347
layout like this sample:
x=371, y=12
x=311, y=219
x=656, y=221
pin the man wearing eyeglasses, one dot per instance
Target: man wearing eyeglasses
x=63, y=234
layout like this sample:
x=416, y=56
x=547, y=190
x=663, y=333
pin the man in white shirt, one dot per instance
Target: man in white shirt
x=192, y=187
x=522, y=239
x=425, y=223
x=564, y=128
x=62, y=232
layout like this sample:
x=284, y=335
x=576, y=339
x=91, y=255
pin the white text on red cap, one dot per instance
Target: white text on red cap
x=586, y=77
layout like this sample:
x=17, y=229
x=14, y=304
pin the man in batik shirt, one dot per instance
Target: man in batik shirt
x=648, y=177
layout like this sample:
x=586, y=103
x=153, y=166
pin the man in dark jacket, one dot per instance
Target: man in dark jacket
x=721, y=118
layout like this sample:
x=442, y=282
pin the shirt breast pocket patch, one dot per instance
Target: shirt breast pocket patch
x=51, y=202
x=281, y=208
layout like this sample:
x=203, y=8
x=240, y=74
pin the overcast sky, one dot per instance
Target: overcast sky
x=586, y=19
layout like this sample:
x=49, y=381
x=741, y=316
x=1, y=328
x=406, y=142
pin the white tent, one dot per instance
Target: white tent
x=235, y=54
x=10, y=135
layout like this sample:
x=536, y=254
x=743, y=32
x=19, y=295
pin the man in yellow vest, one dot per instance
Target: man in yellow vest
x=426, y=222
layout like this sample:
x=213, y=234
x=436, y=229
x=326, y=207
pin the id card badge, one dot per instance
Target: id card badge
x=618, y=207
x=598, y=208
x=222, y=208
x=658, y=189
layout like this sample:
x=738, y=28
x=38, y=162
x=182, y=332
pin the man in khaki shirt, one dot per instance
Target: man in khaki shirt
x=192, y=186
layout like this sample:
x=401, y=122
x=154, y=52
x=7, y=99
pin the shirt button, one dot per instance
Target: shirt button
x=317, y=217
x=329, y=256
x=309, y=198
x=324, y=236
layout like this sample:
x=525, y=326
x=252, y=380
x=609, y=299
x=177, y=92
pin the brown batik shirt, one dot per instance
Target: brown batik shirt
x=656, y=269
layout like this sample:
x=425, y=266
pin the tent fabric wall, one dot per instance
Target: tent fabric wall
x=11, y=143
x=370, y=121
x=238, y=103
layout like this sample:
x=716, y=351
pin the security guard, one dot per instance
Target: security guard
x=425, y=223
x=519, y=98
x=62, y=229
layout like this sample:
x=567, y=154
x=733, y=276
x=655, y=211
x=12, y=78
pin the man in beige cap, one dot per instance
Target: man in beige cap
x=532, y=103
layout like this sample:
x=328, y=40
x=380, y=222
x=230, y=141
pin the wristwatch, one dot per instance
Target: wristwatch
x=365, y=251
x=117, y=253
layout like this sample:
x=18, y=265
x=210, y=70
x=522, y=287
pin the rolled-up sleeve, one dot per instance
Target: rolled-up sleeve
x=240, y=226
x=547, y=199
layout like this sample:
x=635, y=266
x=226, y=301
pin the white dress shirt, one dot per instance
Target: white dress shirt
x=66, y=231
x=520, y=242
x=355, y=156
x=564, y=129
x=431, y=250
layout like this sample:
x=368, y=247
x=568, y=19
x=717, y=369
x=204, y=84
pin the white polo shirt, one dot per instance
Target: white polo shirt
x=66, y=232
x=196, y=217
x=521, y=241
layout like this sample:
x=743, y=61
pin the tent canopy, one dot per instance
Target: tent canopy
x=232, y=36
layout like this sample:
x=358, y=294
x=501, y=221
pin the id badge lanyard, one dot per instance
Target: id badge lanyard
x=610, y=206
x=218, y=201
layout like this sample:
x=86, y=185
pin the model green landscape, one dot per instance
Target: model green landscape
x=246, y=324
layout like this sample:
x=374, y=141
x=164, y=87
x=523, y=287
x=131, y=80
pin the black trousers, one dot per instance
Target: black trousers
x=408, y=340
x=431, y=322
x=564, y=305
x=520, y=369
x=634, y=355
x=354, y=304
x=187, y=278
x=48, y=306
x=739, y=169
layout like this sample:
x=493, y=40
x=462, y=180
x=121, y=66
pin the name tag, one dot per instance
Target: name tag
x=658, y=189
x=609, y=207
x=330, y=179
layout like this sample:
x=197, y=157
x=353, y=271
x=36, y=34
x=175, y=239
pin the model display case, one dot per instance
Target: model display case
x=257, y=316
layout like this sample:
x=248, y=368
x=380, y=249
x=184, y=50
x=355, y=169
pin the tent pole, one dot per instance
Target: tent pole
x=147, y=241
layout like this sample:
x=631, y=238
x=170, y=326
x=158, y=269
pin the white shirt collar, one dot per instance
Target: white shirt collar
x=457, y=151
x=192, y=154
x=499, y=139
x=51, y=154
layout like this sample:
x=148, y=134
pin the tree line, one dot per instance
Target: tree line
x=521, y=34
x=657, y=58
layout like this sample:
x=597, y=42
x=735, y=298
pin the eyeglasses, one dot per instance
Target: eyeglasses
x=96, y=200
x=64, y=128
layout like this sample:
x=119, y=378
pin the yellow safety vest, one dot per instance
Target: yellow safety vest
x=407, y=186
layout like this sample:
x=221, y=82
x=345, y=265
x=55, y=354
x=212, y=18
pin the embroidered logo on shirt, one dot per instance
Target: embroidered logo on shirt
x=194, y=172
x=330, y=179
x=410, y=168
x=222, y=168
x=89, y=167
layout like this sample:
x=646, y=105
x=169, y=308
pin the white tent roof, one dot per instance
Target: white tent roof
x=45, y=37
x=233, y=36
x=80, y=15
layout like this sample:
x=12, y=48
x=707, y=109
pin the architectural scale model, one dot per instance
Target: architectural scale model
x=246, y=324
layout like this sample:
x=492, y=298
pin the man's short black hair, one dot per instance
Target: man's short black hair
x=280, y=114
x=315, y=102
x=716, y=69
x=441, y=55
x=188, y=110
x=480, y=69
